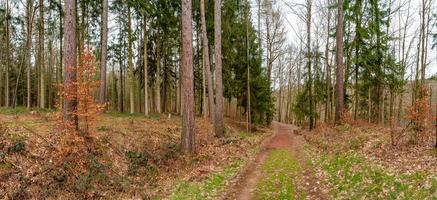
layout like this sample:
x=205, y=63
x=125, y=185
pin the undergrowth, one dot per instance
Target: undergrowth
x=209, y=188
x=352, y=177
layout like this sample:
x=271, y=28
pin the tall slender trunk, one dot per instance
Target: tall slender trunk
x=435, y=121
x=423, y=30
x=130, y=63
x=369, y=102
x=310, y=81
x=41, y=59
x=158, y=74
x=206, y=62
x=188, y=108
x=59, y=69
x=328, y=69
x=219, y=127
x=104, y=55
x=7, y=55
x=339, y=100
x=249, y=117
x=50, y=72
x=146, y=77
x=29, y=27
x=280, y=93
x=70, y=67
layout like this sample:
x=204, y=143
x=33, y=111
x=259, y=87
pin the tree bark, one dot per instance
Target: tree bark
x=41, y=59
x=339, y=101
x=310, y=81
x=104, y=54
x=70, y=64
x=146, y=77
x=29, y=27
x=158, y=74
x=249, y=117
x=7, y=55
x=188, y=109
x=328, y=68
x=206, y=62
x=218, y=125
x=131, y=67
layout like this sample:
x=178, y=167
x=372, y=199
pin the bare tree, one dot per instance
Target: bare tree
x=339, y=100
x=187, y=77
x=274, y=35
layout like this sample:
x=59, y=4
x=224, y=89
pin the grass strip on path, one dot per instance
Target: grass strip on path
x=280, y=173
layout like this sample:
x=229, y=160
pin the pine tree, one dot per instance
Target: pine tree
x=70, y=68
x=188, y=109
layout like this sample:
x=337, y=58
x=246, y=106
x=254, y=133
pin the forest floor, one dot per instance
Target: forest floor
x=133, y=157
x=127, y=157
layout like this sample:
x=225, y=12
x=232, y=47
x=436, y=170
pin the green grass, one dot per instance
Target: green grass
x=280, y=171
x=209, y=188
x=20, y=109
x=152, y=115
x=354, y=178
x=123, y=114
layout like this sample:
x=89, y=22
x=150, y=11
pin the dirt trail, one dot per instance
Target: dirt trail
x=283, y=138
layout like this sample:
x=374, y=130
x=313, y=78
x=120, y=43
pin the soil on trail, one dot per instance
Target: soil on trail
x=283, y=138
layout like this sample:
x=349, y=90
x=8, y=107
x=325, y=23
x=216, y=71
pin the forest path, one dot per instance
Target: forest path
x=301, y=176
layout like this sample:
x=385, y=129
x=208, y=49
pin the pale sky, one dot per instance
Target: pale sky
x=295, y=26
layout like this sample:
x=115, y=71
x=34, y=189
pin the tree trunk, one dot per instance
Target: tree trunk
x=158, y=74
x=29, y=20
x=249, y=117
x=219, y=127
x=41, y=58
x=188, y=108
x=310, y=81
x=339, y=100
x=7, y=56
x=207, y=63
x=59, y=70
x=131, y=67
x=104, y=54
x=146, y=77
x=403, y=63
x=70, y=68
x=328, y=69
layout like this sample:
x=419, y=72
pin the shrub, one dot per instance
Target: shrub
x=420, y=114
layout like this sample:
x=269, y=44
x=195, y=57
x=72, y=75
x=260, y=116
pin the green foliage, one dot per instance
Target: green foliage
x=137, y=162
x=301, y=105
x=235, y=62
x=18, y=145
x=373, y=64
